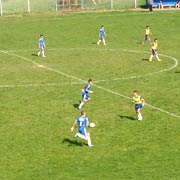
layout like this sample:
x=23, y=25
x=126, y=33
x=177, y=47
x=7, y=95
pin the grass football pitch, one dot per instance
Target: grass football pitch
x=39, y=97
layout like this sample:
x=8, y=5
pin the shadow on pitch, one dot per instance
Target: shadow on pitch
x=71, y=142
x=177, y=71
x=76, y=105
x=34, y=54
x=145, y=59
x=127, y=117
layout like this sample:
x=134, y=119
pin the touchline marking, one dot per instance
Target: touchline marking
x=42, y=66
x=38, y=85
x=114, y=79
x=149, y=105
x=83, y=81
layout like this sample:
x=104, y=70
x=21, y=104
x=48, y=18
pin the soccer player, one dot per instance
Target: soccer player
x=101, y=36
x=42, y=46
x=82, y=123
x=160, y=5
x=147, y=34
x=85, y=93
x=154, y=46
x=139, y=103
x=177, y=5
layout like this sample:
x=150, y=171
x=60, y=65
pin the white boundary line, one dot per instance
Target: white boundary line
x=39, y=85
x=83, y=81
x=114, y=79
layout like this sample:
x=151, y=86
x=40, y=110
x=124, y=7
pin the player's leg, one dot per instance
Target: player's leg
x=139, y=115
x=100, y=40
x=103, y=40
x=39, y=53
x=43, y=55
x=157, y=56
x=83, y=134
x=83, y=100
x=138, y=111
x=79, y=135
x=151, y=56
x=149, y=39
x=94, y=2
x=89, y=139
x=98, y=43
x=145, y=39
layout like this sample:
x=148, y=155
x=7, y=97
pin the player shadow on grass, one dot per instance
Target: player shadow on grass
x=76, y=105
x=34, y=54
x=71, y=142
x=145, y=59
x=127, y=117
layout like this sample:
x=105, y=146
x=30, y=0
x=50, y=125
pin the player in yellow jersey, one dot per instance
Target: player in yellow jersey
x=147, y=34
x=139, y=103
x=154, y=46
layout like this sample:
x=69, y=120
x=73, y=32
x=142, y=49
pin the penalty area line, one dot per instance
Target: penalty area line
x=83, y=81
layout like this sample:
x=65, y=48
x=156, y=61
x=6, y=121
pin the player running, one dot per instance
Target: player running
x=147, y=34
x=154, y=46
x=82, y=123
x=42, y=46
x=101, y=36
x=139, y=103
x=85, y=93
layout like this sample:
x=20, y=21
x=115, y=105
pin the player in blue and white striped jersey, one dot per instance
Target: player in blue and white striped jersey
x=85, y=93
x=42, y=46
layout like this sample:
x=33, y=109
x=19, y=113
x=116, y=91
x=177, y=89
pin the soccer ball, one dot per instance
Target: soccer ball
x=91, y=124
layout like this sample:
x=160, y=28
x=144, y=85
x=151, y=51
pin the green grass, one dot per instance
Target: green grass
x=35, y=120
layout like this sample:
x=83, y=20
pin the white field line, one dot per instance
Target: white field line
x=83, y=81
x=114, y=79
x=148, y=74
x=149, y=105
x=39, y=85
x=42, y=66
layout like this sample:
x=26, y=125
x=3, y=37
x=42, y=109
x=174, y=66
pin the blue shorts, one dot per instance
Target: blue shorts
x=42, y=48
x=83, y=131
x=101, y=37
x=85, y=96
x=138, y=106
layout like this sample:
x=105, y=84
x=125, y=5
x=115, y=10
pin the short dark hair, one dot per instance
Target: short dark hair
x=83, y=112
x=90, y=80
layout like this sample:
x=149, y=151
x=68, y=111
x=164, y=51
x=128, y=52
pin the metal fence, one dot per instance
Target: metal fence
x=14, y=6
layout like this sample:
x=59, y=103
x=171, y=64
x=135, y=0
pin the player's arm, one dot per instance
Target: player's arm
x=89, y=91
x=143, y=101
x=74, y=124
x=87, y=122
